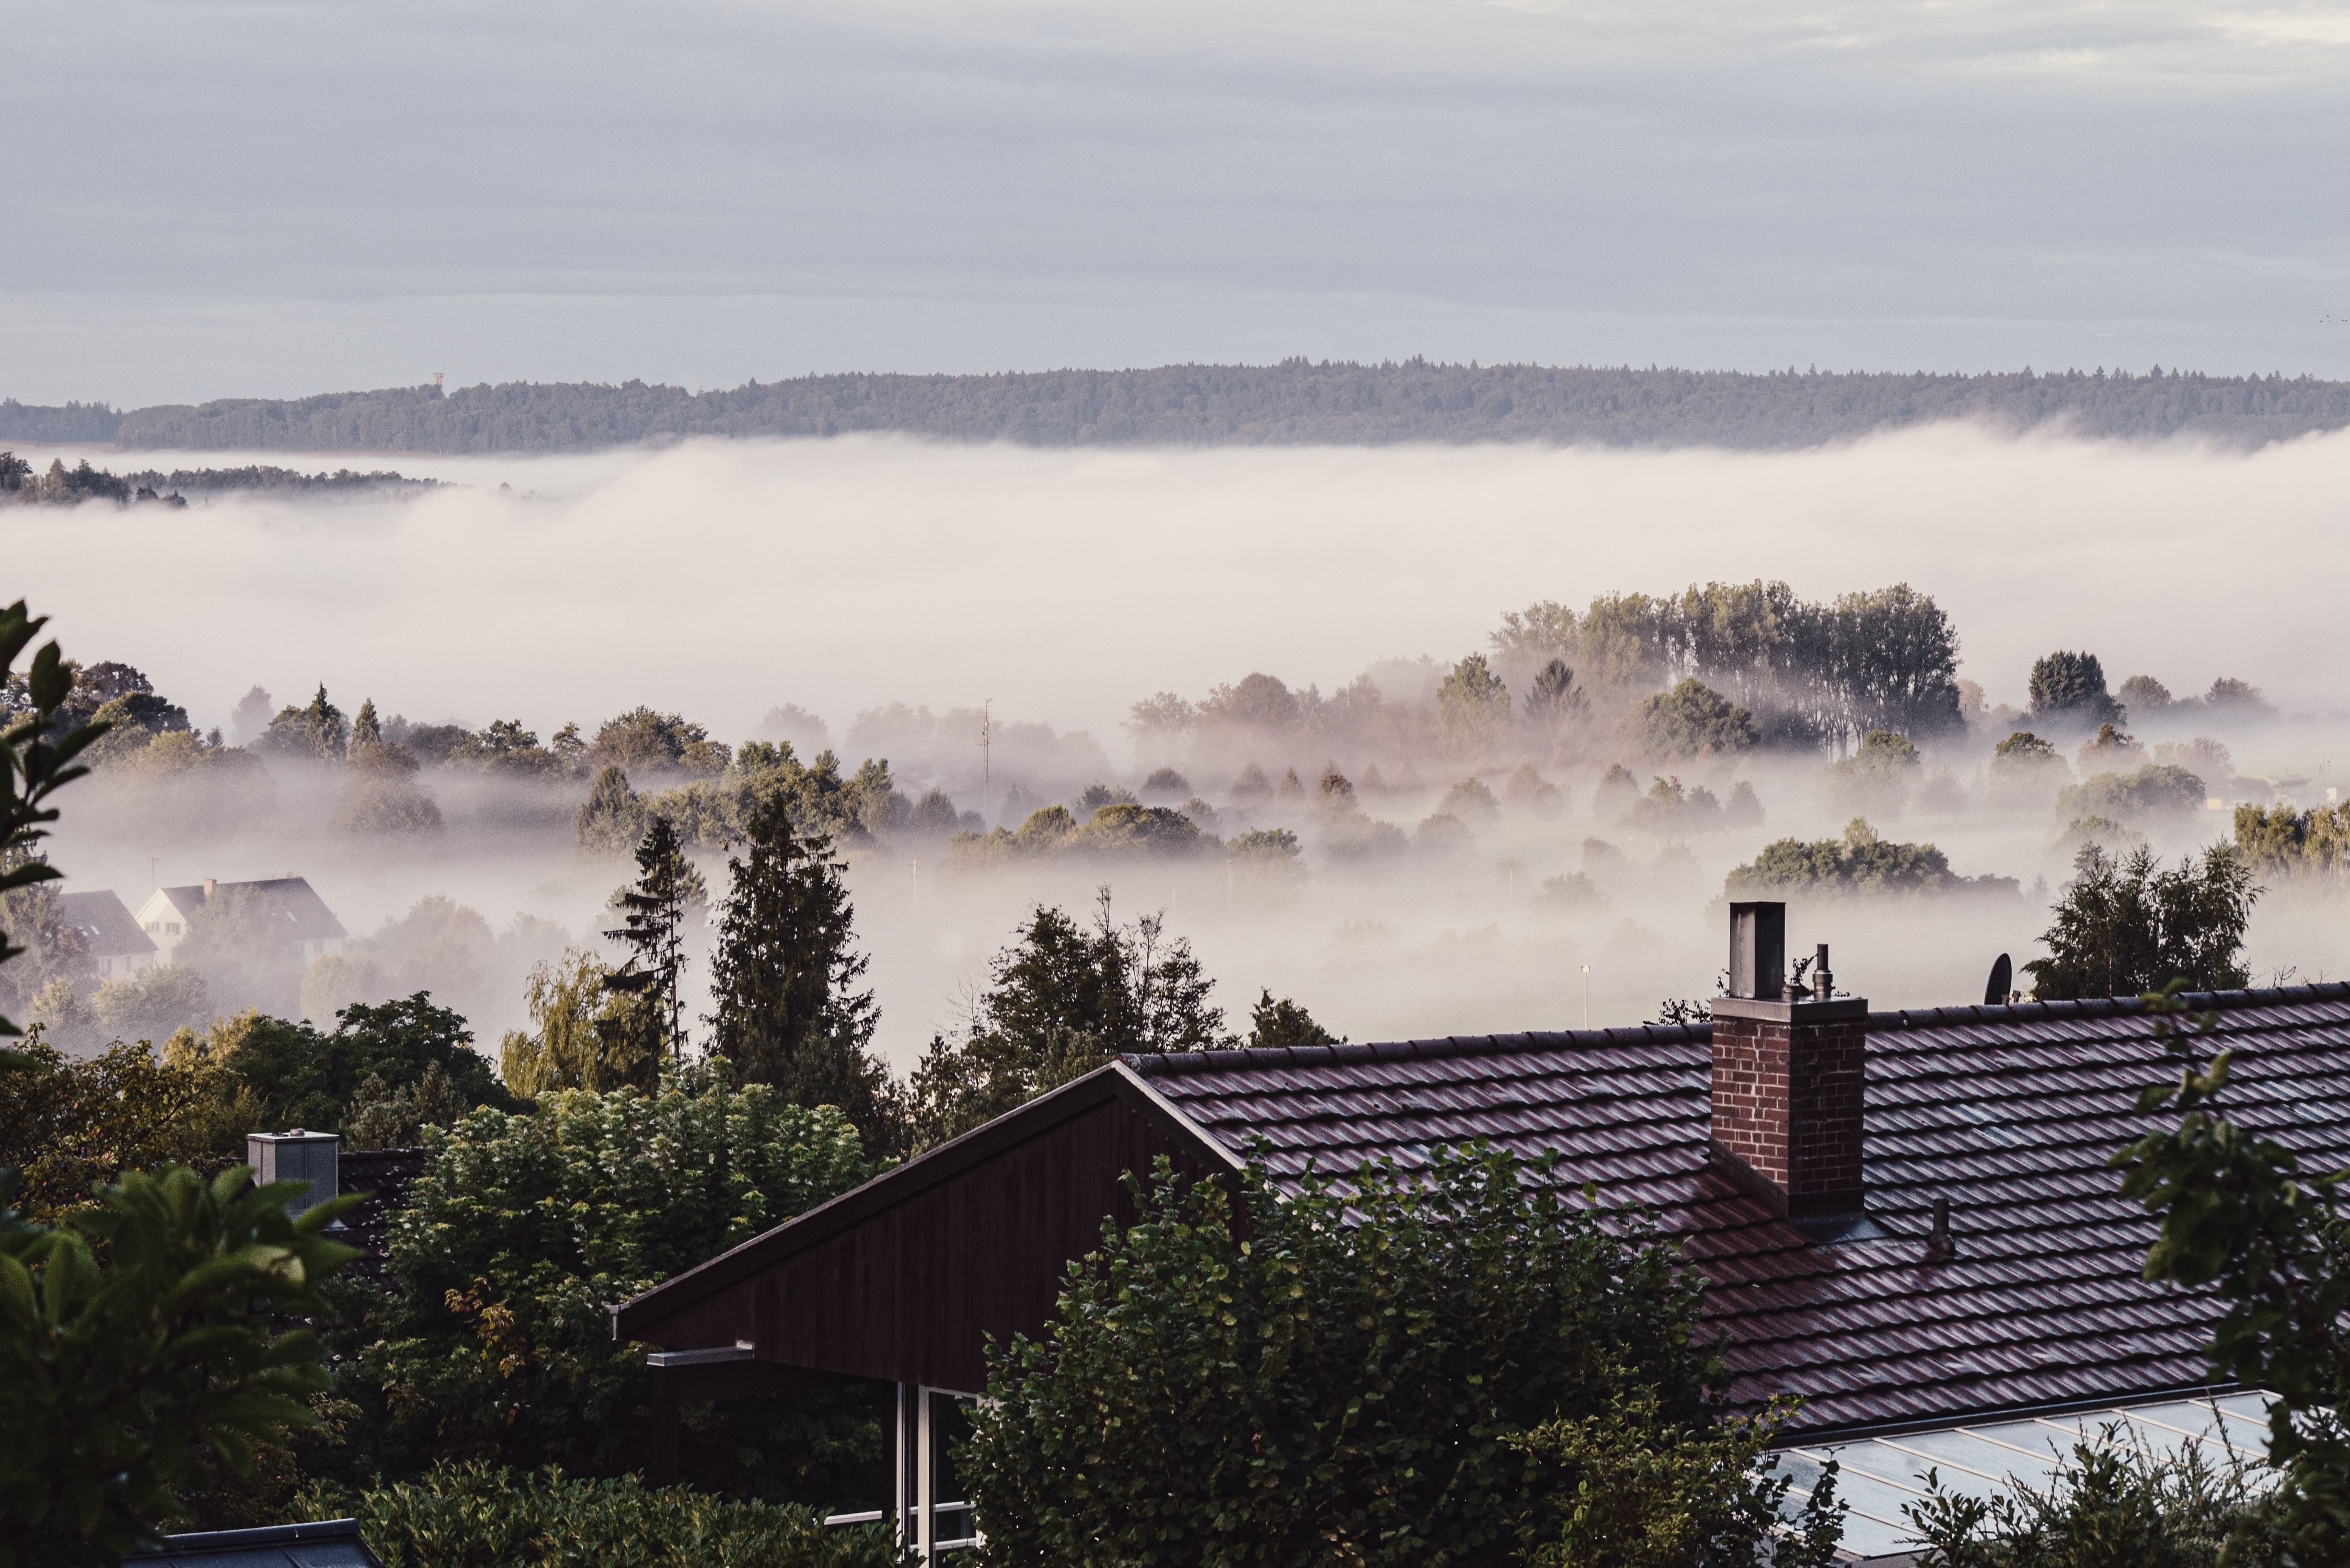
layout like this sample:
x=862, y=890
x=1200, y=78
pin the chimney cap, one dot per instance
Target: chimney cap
x=1758, y=951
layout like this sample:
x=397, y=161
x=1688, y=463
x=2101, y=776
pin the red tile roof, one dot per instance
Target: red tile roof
x=2009, y=1113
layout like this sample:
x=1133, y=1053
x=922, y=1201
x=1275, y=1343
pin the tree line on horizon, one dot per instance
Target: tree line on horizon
x=63, y=486
x=1294, y=403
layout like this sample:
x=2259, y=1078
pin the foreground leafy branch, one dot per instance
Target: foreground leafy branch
x=2238, y=1215
x=1452, y=1363
x=34, y=766
x=139, y=1335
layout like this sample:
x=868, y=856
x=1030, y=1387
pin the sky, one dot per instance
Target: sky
x=273, y=197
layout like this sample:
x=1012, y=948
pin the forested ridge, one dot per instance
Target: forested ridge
x=1293, y=403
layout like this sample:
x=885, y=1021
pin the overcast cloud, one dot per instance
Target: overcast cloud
x=275, y=198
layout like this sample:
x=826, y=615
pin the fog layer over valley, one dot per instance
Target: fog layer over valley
x=1256, y=662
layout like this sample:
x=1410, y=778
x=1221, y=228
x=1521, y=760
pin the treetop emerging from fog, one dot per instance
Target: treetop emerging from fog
x=1295, y=403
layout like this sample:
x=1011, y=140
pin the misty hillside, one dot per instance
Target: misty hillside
x=1293, y=403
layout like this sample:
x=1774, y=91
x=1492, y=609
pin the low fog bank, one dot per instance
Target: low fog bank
x=721, y=577
x=1102, y=617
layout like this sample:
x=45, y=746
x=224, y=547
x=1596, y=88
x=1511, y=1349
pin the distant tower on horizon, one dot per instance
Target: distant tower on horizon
x=436, y=379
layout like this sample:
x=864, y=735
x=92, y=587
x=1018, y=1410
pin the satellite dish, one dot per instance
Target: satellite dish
x=2003, y=982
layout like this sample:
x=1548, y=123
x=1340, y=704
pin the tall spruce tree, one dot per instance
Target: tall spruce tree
x=785, y=978
x=653, y=928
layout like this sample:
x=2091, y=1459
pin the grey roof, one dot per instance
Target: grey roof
x=2009, y=1112
x=108, y=929
x=327, y=1543
x=309, y=919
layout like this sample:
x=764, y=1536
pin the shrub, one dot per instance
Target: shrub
x=146, y=1333
x=2153, y=791
x=525, y=1229
x=2112, y=1505
x=1470, y=801
x=474, y=1515
x=1443, y=834
x=1861, y=863
x=1574, y=890
x=1881, y=754
x=1356, y=836
x=1363, y=1379
x=1670, y=810
x=1617, y=793
x=1527, y=790
x=2278, y=841
x=1275, y=846
x=1692, y=720
x=1124, y=827
x=2027, y=770
x=68, y=1126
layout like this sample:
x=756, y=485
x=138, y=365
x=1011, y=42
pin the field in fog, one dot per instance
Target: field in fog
x=721, y=581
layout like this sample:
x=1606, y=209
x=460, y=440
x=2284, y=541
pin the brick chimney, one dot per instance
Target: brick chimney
x=1789, y=1068
x=211, y=886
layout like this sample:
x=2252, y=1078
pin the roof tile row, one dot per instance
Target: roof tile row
x=2009, y=1113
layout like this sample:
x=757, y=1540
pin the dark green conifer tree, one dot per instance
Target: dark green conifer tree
x=653, y=928
x=785, y=978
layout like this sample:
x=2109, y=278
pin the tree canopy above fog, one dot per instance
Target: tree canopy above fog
x=1295, y=403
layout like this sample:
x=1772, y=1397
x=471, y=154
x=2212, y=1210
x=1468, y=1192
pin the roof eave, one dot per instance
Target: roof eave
x=1113, y=1080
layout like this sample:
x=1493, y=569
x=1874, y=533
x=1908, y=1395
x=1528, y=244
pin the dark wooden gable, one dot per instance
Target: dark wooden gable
x=905, y=1278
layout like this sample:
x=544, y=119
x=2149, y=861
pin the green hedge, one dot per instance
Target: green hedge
x=476, y=1515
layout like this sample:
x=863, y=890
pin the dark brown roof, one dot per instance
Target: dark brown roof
x=383, y=1174
x=2008, y=1112
x=108, y=929
x=939, y=1170
x=307, y=918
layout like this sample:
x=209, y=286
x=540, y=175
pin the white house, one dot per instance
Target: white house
x=310, y=926
x=113, y=940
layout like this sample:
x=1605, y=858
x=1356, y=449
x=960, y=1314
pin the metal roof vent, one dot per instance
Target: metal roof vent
x=1940, y=1246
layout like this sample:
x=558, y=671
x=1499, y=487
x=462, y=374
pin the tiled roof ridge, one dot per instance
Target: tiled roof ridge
x=1176, y=1064
x=1183, y=1063
x=2103, y=1006
x=220, y=885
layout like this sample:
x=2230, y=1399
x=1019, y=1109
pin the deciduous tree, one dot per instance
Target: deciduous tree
x=1392, y=1368
x=1692, y=720
x=2128, y=927
x=1472, y=710
x=2068, y=691
x=1062, y=1001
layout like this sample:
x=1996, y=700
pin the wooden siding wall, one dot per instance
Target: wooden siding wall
x=909, y=1294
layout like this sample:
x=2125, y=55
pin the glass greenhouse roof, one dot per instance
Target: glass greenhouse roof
x=1878, y=1479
